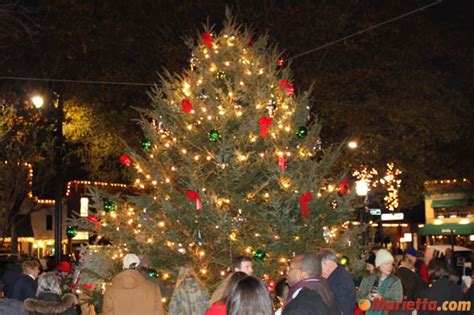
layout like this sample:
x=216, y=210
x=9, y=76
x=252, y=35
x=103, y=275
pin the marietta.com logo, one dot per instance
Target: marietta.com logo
x=419, y=305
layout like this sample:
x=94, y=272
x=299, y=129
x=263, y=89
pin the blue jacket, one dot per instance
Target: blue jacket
x=342, y=285
x=25, y=288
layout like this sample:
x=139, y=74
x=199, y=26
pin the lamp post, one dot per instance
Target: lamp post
x=58, y=113
x=362, y=190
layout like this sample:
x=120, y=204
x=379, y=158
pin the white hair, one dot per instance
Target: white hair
x=48, y=283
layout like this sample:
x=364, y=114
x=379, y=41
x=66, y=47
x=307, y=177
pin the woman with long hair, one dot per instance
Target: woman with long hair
x=219, y=308
x=48, y=298
x=382, y=283
x=190, y=296
x=249, y=297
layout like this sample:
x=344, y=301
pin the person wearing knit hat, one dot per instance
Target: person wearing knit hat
x=383, y=256
x=370, y=263
x=382, y=283
x=420, y=267
x=130, y=261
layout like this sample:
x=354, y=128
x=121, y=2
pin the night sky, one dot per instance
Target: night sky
x=404, y=89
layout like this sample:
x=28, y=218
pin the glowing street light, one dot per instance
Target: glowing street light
x=362, y=188
x=37, y=101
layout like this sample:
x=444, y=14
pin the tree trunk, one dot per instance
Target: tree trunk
x=14, y=239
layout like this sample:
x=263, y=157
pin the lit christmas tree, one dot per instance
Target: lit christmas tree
x=231, y=163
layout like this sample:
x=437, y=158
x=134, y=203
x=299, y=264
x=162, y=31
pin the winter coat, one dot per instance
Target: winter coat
x=412, y=283
x=219, y=292
x=308, y=302
x=190, y=298
x=390, y=289
x=10, y=278
x=217, y=308
x=442, y=290
x=342, y=286
x=11, y=306
x=131, y=294
x=24, y=288
x=52, y=303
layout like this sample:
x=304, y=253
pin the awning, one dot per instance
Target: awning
x=445, y=229
x=449, y=203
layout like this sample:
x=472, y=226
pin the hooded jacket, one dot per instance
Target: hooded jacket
x=51, y=303
x=131, y=294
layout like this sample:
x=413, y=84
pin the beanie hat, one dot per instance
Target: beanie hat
x=371, y=259
x=411, y=251
x=383, y=256
x=64, y=266
x=130, y=261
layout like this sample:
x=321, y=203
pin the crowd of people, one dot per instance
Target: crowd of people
x=315, y=283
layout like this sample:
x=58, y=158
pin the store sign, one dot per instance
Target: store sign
x=392, y=216
x=375, y=211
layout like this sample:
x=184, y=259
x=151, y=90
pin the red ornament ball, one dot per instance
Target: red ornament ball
x=125, y=160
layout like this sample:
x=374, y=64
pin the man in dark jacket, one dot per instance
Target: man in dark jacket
x=411, y=282
x=25, y=287
x=309, y=293
x=339, y=280
x=10, y=278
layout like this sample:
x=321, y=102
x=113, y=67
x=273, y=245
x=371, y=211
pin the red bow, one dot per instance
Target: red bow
x=304, y=199
x=125, y=160
x=287, y=86
x=281, y=163
x=207, y=39
x=94, y=219
x=186, y=105
x=344, y=187
x=264, y=123
x=194, y=196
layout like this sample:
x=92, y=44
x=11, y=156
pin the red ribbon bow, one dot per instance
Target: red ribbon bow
x=264, y=123
x=125, y=160
x=287, y=86
x=281, y=163
x=207, y=39
x=194, y=196
x=186, y=105
x=304, y=199
x=344, y=187
x=94, y=219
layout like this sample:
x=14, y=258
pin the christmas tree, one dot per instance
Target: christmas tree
x=231, y=163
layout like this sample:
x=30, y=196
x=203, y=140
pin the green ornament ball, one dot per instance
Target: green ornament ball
x=259, y=255
x=71, y=232
x=152, y=273
x=146, y=144
x=109, y=206
x=221, y=75
x=302, y=132
x=214, y=135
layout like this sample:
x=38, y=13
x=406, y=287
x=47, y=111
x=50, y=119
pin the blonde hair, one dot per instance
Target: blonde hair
x=30, y=264
x=48, y=283
x=186, y=272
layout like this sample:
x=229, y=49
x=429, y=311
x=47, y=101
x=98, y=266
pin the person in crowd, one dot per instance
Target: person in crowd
x=370, y=263
x=130, y=293
x=249, y=296
x=420, y=266
x=48, y=298
x=339, y=281
x=448, y=258
x=441, y=289
x=11, y=306
x=219, y=308
x=309, y=293
x=25, y=287
x=381, y=284
x=281, y=294
x=190, y=297
x=412, y=283
x=10, y=278
x=240, y=263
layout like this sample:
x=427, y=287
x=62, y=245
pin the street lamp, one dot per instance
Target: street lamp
x=58, y=112
x=362, y=190
x=352, y=144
